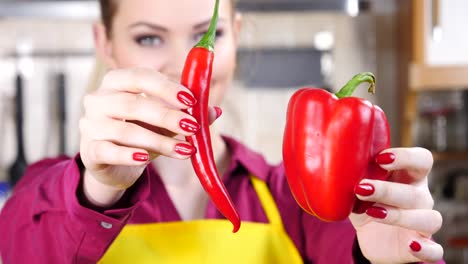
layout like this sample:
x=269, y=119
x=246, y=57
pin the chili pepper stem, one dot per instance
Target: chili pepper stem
x=358, y=79
x=208, y=40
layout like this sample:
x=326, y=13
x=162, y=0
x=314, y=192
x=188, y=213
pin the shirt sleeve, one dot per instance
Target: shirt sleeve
x=45, y=222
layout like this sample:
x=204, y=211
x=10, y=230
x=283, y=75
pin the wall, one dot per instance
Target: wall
x=39, y=91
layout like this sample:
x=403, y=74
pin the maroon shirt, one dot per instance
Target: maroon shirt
x=44, y=222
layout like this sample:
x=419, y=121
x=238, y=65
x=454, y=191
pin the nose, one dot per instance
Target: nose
x=175, y=65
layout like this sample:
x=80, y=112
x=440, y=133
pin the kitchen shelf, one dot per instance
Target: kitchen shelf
x=439, y=78
x=450, y=156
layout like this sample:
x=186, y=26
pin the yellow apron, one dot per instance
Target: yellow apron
x=207, y=241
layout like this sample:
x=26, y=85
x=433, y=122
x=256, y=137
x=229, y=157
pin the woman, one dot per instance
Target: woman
x=131, y=194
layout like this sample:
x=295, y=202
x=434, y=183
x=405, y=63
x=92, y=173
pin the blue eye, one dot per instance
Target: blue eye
x=148, y=41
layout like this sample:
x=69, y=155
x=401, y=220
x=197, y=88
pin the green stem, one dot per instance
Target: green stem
x=358, y=79
x=208, y=40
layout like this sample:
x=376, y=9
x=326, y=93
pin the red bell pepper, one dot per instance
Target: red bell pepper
x=329, y=146
x=197, y=77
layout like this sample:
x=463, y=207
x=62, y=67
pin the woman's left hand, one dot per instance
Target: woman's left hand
x=398, y=228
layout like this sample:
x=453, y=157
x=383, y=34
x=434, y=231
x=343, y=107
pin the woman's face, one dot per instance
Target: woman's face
x=158, y=34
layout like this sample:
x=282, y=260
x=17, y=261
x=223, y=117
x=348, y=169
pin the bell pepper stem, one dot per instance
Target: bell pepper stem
x=358, y=79
x=208, y=39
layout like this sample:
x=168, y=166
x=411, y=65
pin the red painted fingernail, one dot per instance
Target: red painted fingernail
x=141, y=157
x=364, y=189
x=184, y=149
x=415, y=246
x=377, y=212
x=189, y=125
x=219, y=111
x=186, y=98
x=385, y=158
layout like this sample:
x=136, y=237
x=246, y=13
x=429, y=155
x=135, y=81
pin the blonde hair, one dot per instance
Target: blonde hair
x=110, y=7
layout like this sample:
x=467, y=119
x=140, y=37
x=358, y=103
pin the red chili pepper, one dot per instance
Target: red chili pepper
x=197, y=77
x=329, y=146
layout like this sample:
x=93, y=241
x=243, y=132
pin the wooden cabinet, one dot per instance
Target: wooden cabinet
x=433, y=55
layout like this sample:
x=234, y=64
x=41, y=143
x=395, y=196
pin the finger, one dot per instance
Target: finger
x=214, y=113
x=124, y=106
x=426, y=250
x=108, y=153
x=416, y=161
x=131, y=135
x=151, y=83
x=425, y=221
x=395, y=194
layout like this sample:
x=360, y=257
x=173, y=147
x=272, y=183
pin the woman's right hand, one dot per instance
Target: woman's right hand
x=132, y=118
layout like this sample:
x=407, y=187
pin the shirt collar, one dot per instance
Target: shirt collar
x=243, y=157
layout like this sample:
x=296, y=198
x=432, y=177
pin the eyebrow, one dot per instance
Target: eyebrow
x=163, y=29
x=206, y=23
x=150, y=25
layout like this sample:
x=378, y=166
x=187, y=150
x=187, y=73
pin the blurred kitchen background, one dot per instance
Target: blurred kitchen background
x=418, y=50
